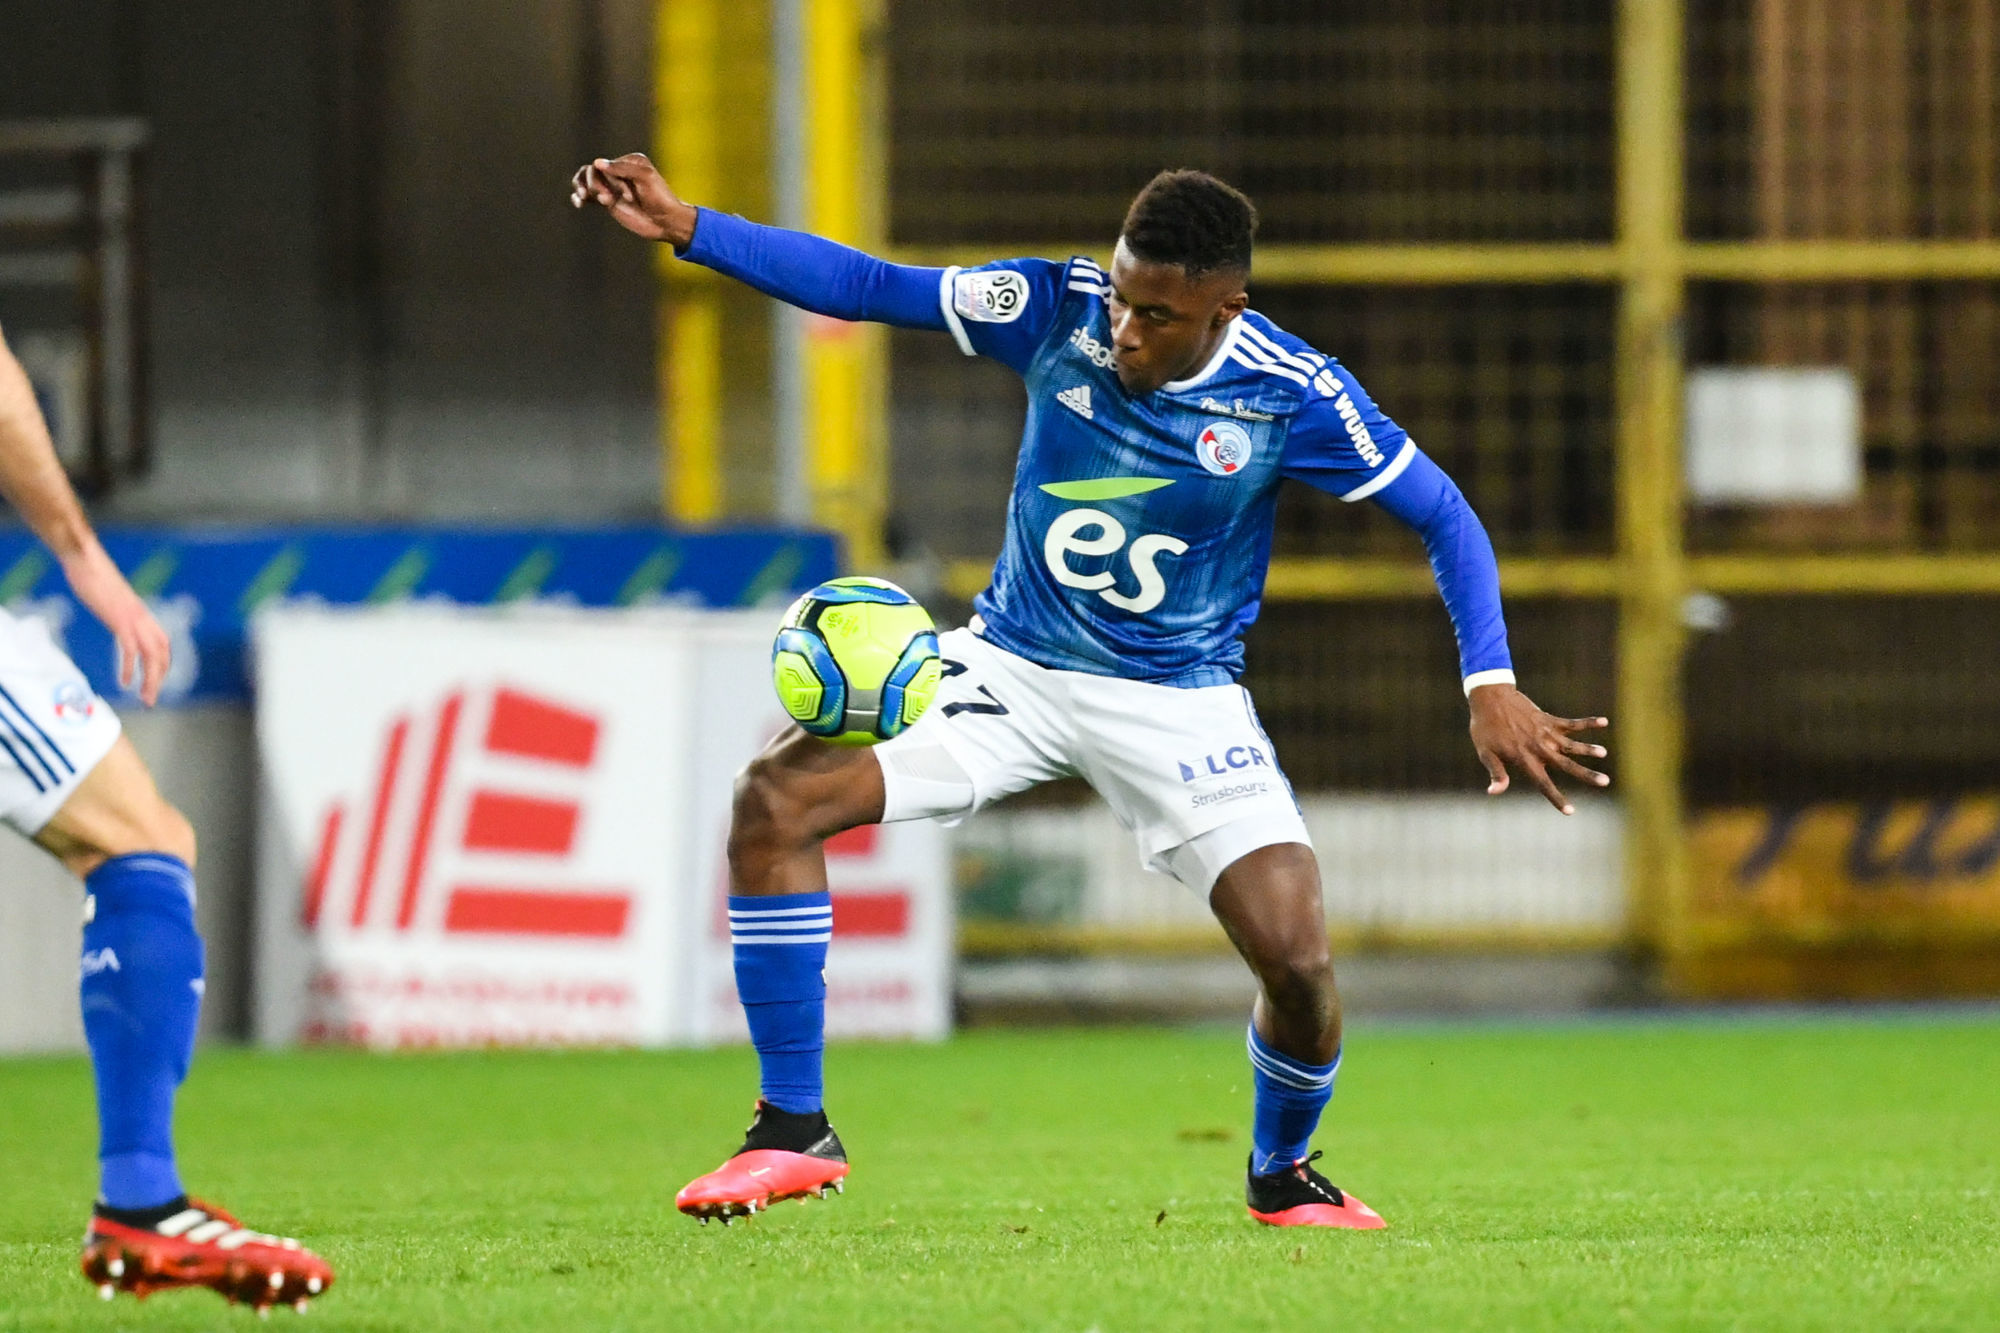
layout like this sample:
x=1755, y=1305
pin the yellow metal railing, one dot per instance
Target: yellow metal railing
x=688, y=104
x=705, y=121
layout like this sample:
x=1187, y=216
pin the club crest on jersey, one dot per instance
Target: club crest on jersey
x=74, y=704
x=996, y=296
x=1223, y=448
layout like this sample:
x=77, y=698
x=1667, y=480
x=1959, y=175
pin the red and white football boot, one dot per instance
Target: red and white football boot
x=202, y=1246
x=784, y=1155
x=1302, y=1197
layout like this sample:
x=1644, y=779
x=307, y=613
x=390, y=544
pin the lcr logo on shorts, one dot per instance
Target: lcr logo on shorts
x=74, y=703
x=1219, y=765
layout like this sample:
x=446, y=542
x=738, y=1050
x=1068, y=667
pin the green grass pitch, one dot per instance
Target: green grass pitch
x=1831, y=1174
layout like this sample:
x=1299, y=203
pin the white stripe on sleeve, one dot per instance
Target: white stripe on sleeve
x=1385, y=476
x=947, y=293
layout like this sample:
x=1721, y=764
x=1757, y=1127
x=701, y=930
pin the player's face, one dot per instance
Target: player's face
x=1164, y=324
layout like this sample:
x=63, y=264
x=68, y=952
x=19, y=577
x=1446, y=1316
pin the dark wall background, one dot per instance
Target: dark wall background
x=368, y=293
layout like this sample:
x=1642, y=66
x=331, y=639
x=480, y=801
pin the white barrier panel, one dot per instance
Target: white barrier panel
x=1387, y=863
x=507, y=827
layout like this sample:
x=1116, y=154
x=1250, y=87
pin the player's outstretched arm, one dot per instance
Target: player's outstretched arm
x=34, y=482
x=1508, y=730
x=804, y=270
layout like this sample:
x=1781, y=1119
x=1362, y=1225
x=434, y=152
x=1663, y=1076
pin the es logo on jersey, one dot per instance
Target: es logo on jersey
x=1223, y=448
x=995, y=296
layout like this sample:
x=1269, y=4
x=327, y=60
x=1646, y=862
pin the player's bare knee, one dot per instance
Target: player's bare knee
x=774, y=808
x=761, y=812
x=1298, y=980
x=171, y=833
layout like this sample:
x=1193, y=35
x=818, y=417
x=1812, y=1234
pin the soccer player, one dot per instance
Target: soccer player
x=71, y=781
x=1162, y=414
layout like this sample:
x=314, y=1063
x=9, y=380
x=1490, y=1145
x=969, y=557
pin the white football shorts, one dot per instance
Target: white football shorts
x=1190, y=772
x=53, y=728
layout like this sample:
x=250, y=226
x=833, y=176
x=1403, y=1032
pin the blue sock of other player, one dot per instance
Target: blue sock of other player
x=1290, y=1094
x=780, y=948
x=141, y=990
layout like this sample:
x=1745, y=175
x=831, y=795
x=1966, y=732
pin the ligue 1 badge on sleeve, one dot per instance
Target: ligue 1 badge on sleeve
x=1223, y=448
x=991, y=296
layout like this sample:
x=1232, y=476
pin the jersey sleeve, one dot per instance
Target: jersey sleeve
x=1341, y=442
x=1004, y=309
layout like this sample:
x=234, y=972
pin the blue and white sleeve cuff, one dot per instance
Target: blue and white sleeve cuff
x=1498, y=676
x=947, y=302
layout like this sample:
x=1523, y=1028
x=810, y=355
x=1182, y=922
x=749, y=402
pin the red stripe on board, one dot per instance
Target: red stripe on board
x=499, y=822
x=871, y=914
x=535, y=729
x=378, y=821
x=420, y=845
x=483, y=911
x=322, y=867
x=855, y=842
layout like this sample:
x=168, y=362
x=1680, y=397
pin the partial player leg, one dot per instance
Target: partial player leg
x=792, y=797
x=1269, y=903
x=141, y=982
x=990, y=719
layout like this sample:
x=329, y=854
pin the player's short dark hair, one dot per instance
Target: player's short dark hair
x=1192, y=220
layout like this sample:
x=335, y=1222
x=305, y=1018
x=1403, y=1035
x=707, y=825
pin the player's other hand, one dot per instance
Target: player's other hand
x=143, y=645
x=1508, y=731
x=632, y=190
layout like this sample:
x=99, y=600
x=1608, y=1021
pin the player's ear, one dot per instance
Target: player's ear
x=1232, y=307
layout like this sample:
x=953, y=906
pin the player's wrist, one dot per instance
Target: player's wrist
x=1503, y=676
x=678, y=221
x=74, y=544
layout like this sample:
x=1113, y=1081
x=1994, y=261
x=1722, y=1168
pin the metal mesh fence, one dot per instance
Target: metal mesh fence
x=1508, y=388
x=1922, y=355
x=1363, y=695
x=1826, y=698
x=1843, y=118
x=1435, y=120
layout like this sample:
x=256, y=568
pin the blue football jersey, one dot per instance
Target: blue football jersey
x=1139, y=529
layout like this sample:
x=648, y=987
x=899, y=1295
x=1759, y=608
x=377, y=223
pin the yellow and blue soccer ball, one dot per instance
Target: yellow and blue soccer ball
x=856, y=661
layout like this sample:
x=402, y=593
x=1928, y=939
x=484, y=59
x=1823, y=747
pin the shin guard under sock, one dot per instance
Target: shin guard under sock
x=780, y=943
x=141, y=982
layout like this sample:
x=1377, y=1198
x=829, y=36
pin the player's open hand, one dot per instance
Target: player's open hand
x=632, y=190
x=143, y=646
x=1508, y=731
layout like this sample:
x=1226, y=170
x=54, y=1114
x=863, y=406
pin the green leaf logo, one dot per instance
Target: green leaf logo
x=1105, y=488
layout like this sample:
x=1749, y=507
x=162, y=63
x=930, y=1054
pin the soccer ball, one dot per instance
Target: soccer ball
x=856, y=661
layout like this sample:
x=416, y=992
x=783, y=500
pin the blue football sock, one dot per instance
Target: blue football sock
x=780, y=946
x=141, y=989
x=1290, y=1096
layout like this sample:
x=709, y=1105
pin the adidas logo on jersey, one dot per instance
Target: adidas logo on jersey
x=1077, y=400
